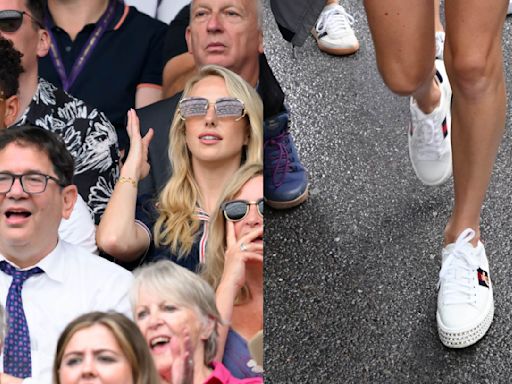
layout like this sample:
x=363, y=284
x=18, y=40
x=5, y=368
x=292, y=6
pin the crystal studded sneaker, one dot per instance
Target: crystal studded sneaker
x=430, y=147
x=465, y=306
x=333, y=31
x=284, y=178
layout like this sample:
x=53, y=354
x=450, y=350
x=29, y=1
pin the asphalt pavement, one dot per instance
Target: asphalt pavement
x=350, y=276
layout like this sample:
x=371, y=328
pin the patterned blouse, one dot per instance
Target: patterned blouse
x=89, y=136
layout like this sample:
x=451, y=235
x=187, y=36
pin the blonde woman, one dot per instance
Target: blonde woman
x=234, y=268
x=216, y=128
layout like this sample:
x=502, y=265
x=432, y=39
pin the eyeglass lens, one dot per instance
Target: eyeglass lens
x=237, y=210
x=224, y=107
x=10, y=20
x=31, y=183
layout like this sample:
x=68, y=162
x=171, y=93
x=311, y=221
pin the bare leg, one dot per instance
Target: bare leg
x=474, y=62
x=403, y=35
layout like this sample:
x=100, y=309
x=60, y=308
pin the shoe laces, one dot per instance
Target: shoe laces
x=278, y=157
x=337, y=20
x=458, y=271
x=427, y=138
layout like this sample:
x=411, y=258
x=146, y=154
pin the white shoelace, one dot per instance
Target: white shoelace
x=337, y=20
x=458, y=272
x=427, y=139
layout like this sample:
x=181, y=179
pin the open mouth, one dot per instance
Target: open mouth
x=159, y=342
x=210, y=138
x=17, y=214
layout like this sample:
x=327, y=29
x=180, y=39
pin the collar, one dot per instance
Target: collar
x=51, y=264
x=219, y=375
x=120, y=14
x=201, y=214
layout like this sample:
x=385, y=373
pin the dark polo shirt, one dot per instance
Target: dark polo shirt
x=128, y=55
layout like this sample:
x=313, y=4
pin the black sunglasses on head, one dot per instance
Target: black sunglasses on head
x=11, y=20
x=236, y=210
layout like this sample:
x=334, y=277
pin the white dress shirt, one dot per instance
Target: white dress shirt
x=79, y=229
x=74, y=282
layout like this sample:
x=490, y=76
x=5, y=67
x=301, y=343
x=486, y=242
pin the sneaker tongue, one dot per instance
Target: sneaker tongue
x=463, y=249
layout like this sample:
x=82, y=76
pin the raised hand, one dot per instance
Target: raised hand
x=240, y=252
x=136, y=165
x=182, y=370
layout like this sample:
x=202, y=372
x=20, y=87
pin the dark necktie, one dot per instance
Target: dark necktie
x=17, y=360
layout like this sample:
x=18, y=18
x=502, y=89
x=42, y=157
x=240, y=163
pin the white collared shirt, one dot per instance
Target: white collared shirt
x=74, y=282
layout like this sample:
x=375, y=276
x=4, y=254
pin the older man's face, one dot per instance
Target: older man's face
x=225, y=32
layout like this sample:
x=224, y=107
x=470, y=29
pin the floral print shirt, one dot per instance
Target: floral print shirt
x=89, y=136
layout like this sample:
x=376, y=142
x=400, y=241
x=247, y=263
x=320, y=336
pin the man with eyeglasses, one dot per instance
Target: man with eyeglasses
x=229, y=33
x=45, y=282
x=88, y=134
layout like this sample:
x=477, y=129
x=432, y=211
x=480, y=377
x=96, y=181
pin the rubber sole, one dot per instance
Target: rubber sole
x=289, y=204
x=466, y=337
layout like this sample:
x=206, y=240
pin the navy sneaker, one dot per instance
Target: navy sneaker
x=285, y=179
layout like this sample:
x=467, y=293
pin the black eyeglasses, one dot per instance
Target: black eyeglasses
x=224, y=107
x=236, y=210
x=32, y=183
x=11, y=20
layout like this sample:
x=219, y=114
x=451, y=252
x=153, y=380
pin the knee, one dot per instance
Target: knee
x=404, y=79
x=471, y=75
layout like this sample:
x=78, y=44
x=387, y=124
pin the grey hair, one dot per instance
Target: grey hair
x=259, y=10
x=259, y=13
x=179, y=285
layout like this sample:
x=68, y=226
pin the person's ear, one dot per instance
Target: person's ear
x=69, y=196
x=188, y=37
x=12, y=105
x=43, y=45
x=260, y=42
x=208, y=328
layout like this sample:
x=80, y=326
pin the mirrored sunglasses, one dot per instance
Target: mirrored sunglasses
x=236, y=210
x=11, y=20
x=224, y=107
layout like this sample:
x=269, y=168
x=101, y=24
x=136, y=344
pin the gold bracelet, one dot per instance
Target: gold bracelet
x=130, y=180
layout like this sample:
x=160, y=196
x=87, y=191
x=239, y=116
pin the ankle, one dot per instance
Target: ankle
x=452, y=232
x=431, y=100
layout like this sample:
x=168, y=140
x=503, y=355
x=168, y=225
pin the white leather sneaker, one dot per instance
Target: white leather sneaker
x=430, y=148
x=465, y=305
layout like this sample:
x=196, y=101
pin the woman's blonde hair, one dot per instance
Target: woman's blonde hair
x=216, y=247
x=177, y=224
x=128, y=337
x=179, y=286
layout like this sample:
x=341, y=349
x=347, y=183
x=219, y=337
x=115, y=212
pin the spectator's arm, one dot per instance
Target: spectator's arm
x=118, y=234
x=147, y=94
x=177, y=72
